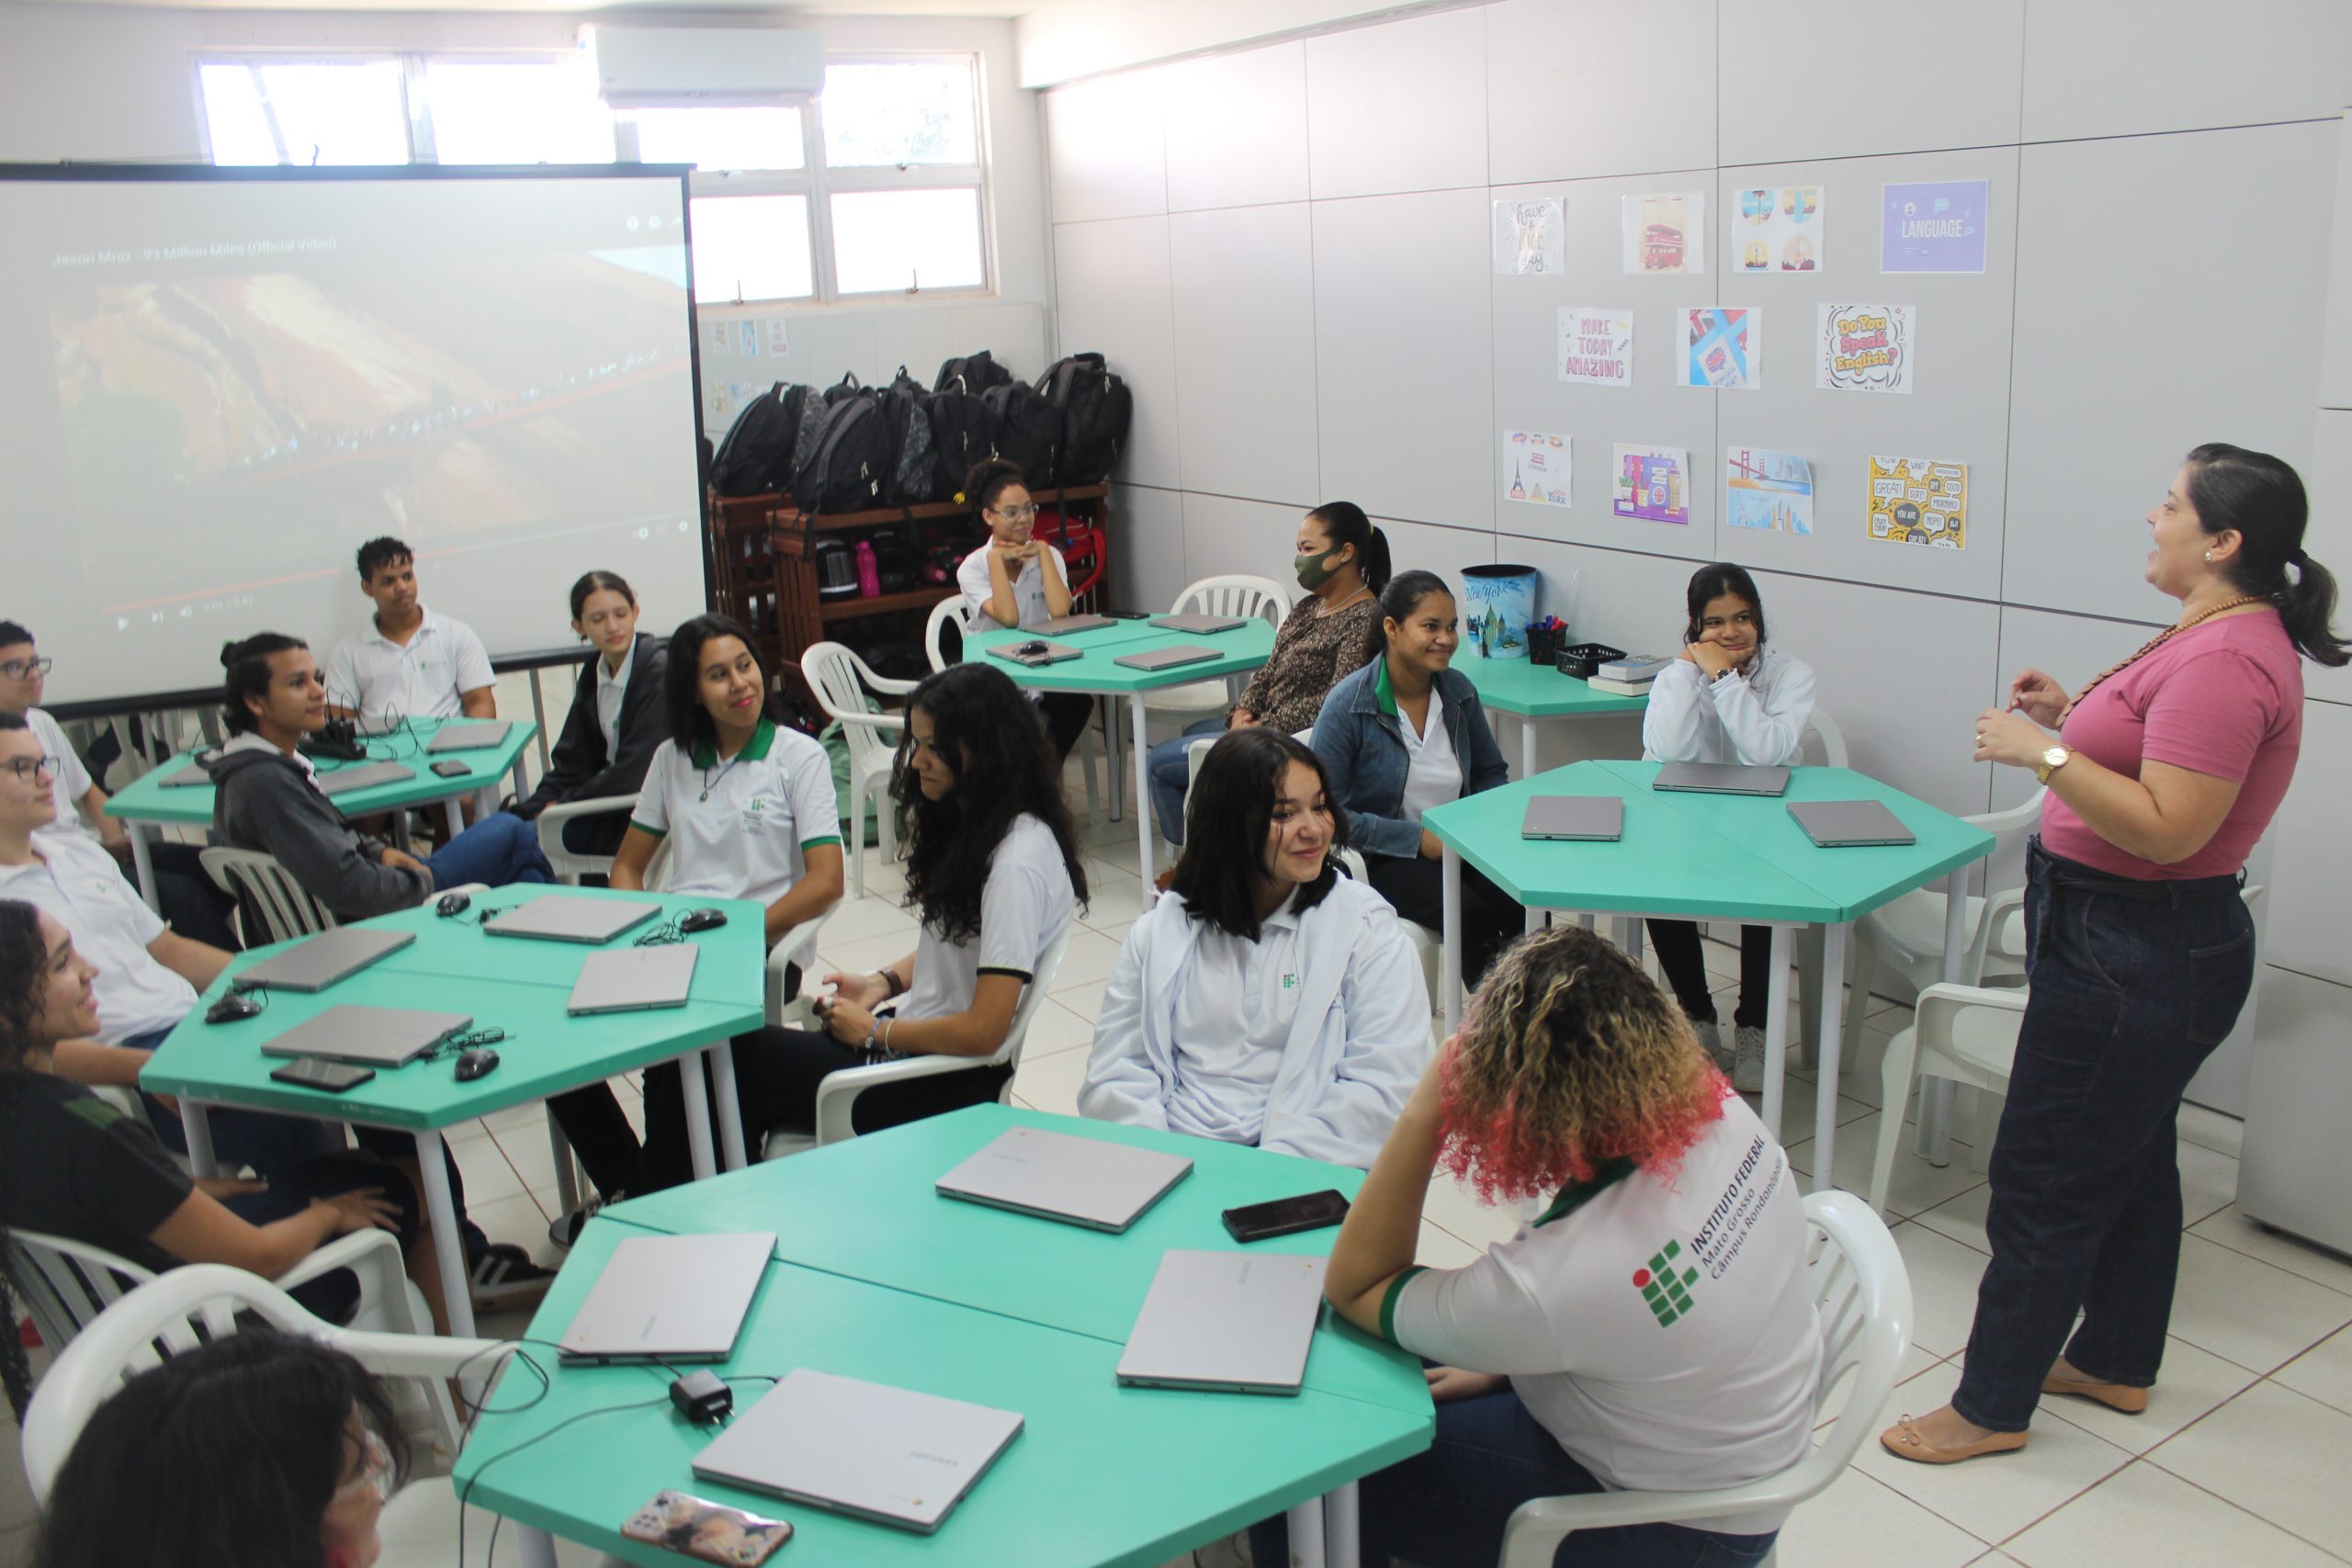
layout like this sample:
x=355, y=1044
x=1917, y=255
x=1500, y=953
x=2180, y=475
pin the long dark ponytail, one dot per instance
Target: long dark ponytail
x=24, y=957
x=2262, y=497
x=1404, y=589
x=1344, y=522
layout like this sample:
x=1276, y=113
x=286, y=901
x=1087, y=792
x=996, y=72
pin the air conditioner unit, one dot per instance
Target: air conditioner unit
x=643, y=68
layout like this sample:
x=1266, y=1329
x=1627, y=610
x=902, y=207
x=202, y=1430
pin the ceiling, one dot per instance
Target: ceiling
x=998, y=8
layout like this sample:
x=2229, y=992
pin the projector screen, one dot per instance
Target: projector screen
x=217, y=387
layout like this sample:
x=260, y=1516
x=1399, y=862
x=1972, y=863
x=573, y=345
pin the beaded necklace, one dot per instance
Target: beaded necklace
x=2153, y=643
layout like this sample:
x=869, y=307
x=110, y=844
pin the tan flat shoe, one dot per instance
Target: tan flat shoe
x=1904, y=1440
x=2119, y=1396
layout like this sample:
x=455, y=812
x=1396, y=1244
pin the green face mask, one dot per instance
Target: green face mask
x=1314, y=570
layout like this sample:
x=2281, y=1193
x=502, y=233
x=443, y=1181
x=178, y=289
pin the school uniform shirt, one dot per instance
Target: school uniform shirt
x=1433, y=772
x=78, y=1168
x=423, y=679
x=1755, y=716
x=67, y=785
x=612, y=690
x=1028, y=589
x=1231, y=1024
x=1026, y=902
x=1660, y=1327
x=739, y=827
x=78, y=885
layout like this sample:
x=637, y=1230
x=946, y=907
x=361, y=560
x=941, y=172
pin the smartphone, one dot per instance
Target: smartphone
x=1128, y=615
x=309, y=1072
x=450, y=768
x=708, y=1532
x=1286, y=1216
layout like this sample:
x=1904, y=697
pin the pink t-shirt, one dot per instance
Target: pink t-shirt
x=2224, y=699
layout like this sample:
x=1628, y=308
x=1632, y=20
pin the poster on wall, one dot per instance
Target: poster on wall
x=1536, y=468
x=722, y=337
x=728, y=401
x=1529, y=236
x=1864, y=348
x=1653, y=483
x=779, y=337
x=1918, y=500
x=1936, y=227
x=749, y=345
x=1666, y=233
x=1777, y=228
x=1596, y=345
x=1723, y=347
x=1772, y=492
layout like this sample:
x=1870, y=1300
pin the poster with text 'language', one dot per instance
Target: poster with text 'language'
x=1920, y=501
x=1936, y=227
x=1536, y=468
x=1864, y=348
x=1777, y=228
x=1652, y=484
x=1772, y=492
x=1596, y=345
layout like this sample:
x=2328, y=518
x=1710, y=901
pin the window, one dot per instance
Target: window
x=517, y=112
x=908, y=112
x=751, y=247
x=348, y=111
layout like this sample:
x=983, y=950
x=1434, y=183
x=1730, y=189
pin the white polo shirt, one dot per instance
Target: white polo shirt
x=737, y=828
x=68, y=784
x=1028, y=590
x=1232, y=1022
x=1025, y=904
x=423, y=679
x=612, y=690
x=77, y=884
x=1432, y=770
x=1660, y=1328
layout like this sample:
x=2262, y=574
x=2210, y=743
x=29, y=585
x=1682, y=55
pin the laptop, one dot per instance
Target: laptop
x=1591, y=818
x=1198, y=625
x=556, y=917
x=363, y=775
x=1034, y=652
x=315, y=963
x=633, y=979
x=371, y=1037
x=1167, y=658
x=468, y=737
x=1063, y=626
x=1236, y=1322
x=1721, y=778
x=671, y=1298
x=1054, y=1176
x=1846, y=824
x=875, y=1453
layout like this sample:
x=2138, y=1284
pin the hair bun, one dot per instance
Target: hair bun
x=228, y=654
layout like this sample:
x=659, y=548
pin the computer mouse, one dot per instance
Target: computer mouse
x=231, y=1008
x=453, y=904
x=475, y=1063
x=701, y=920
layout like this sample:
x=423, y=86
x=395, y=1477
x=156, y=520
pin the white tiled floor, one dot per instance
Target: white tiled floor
x=2240, y=1459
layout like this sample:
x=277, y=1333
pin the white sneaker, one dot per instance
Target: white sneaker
x=1711, y=1038
x=1747, y=1065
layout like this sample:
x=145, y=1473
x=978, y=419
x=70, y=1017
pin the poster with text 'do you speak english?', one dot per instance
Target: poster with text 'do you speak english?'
x=1918, y=500
x=1596, y=345
x=1536, y=468
x=1665, y=233
x=1864, y=348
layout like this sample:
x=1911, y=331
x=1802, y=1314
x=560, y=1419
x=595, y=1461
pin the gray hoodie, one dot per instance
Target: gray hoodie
x=265, y=800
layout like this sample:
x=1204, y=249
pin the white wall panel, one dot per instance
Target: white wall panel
x=1843, y=78
x=1401, y=354
x=1014, y=334
x=1564, y=102
x=2128, y=352
x=1223, y=534
x=1236, y=128
x=921, y=340
x=1421, y=547
x=2071, y=650
x=1398, y=107
x=2181, y=65
x=2328, y=478
x=2335, y=354
x=1244, y=287
x=1147, y=547
x=1106, y=149
x=2303, y=926
x=1116, y=301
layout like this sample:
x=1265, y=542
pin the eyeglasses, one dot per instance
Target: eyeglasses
x=375, y=1468
x=1021, y=514
x=30, y=768
x=17, y=669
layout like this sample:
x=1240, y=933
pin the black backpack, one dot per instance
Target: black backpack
x=852, y=458
x=978, y=372
x=1095, y=407
x=913, y=478
x=1028, y=431
x=963, y=431
x=756, y=456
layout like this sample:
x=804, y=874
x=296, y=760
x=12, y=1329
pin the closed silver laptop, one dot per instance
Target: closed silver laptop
x=558, y=916
x=1849, y=824
x=633, y=979
x=674, y=1298
x=1592, y=818
x=1063, y=626
x=1237, y=1322
x=1056, y=1176
x=892, y=1455
x=471, y=736
x=1033, y=652
x=1168, y=658
x=317, y=961
x=363, y=775
x=371, y=1037
x=1721, y=778
x=1198, y=625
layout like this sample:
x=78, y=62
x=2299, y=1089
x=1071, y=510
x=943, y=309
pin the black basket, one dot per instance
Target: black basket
x=1585, y=658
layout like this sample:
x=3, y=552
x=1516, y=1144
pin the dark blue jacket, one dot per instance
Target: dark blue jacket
x=1361, y=742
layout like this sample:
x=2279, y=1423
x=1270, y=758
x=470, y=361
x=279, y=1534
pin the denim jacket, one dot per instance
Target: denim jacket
x=1358, y=734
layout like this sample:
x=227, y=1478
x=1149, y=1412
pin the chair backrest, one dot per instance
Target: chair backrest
x=948, y=612
x=1032, y=996
x=65, y=1283
x=568, y=866
x=266, y=888
x=2013, y=823
x=1864, y=1294
x=1821, y=731
x=1239, y=593
x=841, y=681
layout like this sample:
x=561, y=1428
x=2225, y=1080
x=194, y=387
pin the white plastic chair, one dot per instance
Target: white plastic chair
x=841, y=680
x=1864, y=1294
x=950, y=611
x=837, y=1093
x=260, y=885
x=189, y=1306
x=569, y=865
x=1236, y=594
x=1427, y=944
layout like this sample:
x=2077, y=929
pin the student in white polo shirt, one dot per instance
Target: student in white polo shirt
x=1266, y=999
x=1653, y=1329
x=411, y=663
x=1018, y=579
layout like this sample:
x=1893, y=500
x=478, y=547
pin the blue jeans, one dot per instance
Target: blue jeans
x=1446, y=1507
x=272, y=1145
x=1170, y=771
x=2135, y=984
x=499, y=850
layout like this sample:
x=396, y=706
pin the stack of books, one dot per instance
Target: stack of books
x=1629, y=676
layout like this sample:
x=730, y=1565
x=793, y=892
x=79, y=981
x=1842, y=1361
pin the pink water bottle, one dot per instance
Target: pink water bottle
x=869, y=577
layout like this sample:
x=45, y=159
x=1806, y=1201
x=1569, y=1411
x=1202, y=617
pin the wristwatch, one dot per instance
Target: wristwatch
x=2051, y=761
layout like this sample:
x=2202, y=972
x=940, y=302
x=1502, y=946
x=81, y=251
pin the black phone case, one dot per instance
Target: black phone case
x=1245, y=1231
x=291, y=1073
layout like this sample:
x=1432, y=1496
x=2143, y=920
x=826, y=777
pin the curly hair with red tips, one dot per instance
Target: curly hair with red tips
x=1571, y=1057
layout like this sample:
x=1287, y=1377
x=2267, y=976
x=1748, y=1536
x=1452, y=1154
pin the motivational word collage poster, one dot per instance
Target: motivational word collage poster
x=1653, y=483
x=1864, y=348
x=1536, y=468
x=1915, y=501
x=1777, y=228
x=1596, y=345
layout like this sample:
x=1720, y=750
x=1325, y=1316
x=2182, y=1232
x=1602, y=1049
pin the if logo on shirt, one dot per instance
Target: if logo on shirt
x=1668, y=1292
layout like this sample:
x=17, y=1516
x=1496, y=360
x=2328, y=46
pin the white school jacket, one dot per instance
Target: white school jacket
x=1358, y=1043
x=1756, y=717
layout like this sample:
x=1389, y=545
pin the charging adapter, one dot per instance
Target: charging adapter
x=702, y=1399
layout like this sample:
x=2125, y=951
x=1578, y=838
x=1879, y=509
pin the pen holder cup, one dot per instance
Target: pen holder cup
x=1544, y=643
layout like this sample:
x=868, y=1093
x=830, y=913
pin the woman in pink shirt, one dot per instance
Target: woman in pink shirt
x=2164, y=772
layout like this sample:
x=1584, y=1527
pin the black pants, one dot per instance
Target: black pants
x=1677, y=944
x=1490, y=917
x=1066, y=716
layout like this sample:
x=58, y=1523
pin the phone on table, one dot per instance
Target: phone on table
x=1286, y=1216
x=708, y=1532
x=1128, y=615
x=450, y=768
x=309, y=1072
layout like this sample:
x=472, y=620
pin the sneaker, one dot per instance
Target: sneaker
x=1711, y=1038
x=1747, y=1062
x=504, y=1276
x=564, y=1229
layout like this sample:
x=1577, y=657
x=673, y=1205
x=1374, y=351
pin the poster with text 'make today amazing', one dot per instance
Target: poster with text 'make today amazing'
x=1596, y=345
